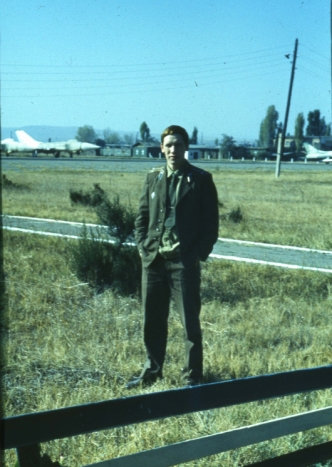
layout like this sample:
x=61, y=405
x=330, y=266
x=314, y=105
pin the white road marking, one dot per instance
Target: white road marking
x=271, y=245
x=212, y=255
x=269, y=263
x=51, y=220
x=52, y=234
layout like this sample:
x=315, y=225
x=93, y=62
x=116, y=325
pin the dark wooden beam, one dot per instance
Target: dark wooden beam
x=302, y=458
x=62, y=423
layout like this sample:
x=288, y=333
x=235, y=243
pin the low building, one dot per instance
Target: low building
x=151, y=150
x=319, y=142
x=116, y=150
x=200, y=151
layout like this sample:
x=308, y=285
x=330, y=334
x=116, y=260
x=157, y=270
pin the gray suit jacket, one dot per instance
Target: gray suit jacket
x=197, y=217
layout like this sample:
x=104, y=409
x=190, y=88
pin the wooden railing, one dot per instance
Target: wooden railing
x=26, y=432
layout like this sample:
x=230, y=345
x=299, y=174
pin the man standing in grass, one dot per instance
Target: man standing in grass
x=176, y=228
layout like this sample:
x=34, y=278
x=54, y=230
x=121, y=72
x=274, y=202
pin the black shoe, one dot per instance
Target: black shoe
x=144, y=381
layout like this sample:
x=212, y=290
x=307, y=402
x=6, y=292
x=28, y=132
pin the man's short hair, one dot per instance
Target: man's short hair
x=176, y=130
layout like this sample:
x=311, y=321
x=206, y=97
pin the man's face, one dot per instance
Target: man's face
x=174, y=149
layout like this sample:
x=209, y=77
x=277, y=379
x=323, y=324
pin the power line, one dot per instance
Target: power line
x=318, y=65
x=206, y=71
x=203, y=81
x=114, y=92
x=314, y=51
x=217, y=71
x=283, y=47
x=312, y=73
x=226, y=65
x=193, y=73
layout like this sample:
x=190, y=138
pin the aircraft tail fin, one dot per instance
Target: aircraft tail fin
x=23, y=137
x=310, y=149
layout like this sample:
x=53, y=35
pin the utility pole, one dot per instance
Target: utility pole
x=280, y=152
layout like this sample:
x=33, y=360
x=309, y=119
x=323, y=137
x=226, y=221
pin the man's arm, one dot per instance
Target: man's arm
x=142, y=219
x=209, y=217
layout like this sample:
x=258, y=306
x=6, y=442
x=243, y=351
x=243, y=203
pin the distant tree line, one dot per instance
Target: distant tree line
x=87, y=134
x=269, y=130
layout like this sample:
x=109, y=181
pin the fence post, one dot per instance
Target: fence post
x=29, y=456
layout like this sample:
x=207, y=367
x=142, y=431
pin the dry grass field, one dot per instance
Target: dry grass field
x=66, y=345
x=293, y=210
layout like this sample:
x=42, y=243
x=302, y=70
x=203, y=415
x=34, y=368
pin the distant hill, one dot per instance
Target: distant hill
x=42, y=133
x=63, y=133
x=56, y=133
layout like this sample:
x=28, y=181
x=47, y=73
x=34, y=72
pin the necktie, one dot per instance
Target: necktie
x=171, y=202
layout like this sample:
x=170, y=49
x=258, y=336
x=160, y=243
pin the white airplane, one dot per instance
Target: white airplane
x=72, y=146
x=8, y=145
x=317, y=154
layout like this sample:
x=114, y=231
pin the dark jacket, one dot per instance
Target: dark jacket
x=197, y=217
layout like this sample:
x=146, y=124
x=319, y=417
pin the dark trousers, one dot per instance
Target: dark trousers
x=162, y=280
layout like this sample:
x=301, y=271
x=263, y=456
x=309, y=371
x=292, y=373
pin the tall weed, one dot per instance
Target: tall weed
x=92, y=197
x=103, y=264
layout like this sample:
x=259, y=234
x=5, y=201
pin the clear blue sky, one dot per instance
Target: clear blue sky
x=216, y=65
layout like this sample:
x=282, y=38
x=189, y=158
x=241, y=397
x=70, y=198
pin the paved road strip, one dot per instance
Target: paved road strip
x=227, y=249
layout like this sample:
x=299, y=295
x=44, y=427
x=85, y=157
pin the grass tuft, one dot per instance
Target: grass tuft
x=88, y=198
x=8, y=184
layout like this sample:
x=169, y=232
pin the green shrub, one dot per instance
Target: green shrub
x=119, y=218
x=89, y=198
x=9, y=184
x=103, y=264
x=235, y=215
